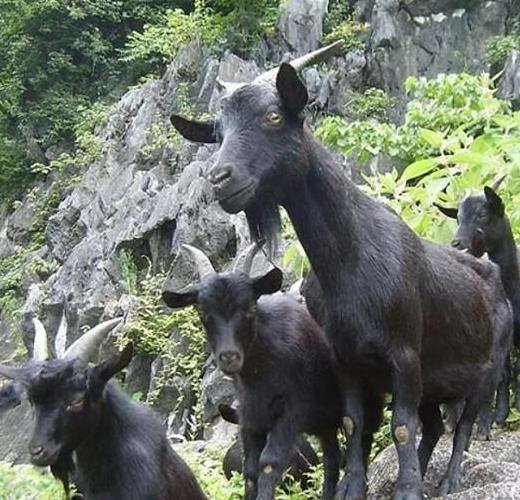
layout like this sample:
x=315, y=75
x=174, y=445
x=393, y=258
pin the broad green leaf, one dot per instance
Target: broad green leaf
x=419, y=168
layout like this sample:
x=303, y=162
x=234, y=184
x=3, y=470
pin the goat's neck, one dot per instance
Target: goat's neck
x=505, y=255
x=325, y=210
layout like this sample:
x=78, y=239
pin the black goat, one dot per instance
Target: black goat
x=304, y=457
x=281, y=365
x=87, y=427
x=485, y=227
x=403, y=315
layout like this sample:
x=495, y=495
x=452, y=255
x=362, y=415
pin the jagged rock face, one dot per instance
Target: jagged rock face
x=428, y=38
x=509, y=87
x=301, y=23
x=490, y=470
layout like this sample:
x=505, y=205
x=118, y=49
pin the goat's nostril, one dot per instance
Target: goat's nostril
x=455, y=243
x=228, y=357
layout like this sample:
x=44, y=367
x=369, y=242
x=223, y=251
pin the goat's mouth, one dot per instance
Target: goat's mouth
x=45, y=457
x=230, y=369
x=236, y=201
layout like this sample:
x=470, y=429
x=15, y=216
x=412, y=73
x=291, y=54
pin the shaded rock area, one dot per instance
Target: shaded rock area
x=490, y=470
x=509, y=87
x=146, y=194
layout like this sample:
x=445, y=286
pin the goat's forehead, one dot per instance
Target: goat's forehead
x=471, y=205
x=225, y=289
x=56, y=375
x=252, y=98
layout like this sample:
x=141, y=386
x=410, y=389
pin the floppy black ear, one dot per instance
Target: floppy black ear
x=268, y=283
x=101, y=373
x=452, y=213
x=185, y=297
x=494, y=201
x=291, y=89
x=229, y=414
x=193, y=130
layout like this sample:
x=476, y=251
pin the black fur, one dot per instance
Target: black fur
x=485, y=228
x=403, y=315
x=282, y=368
x=87, y=427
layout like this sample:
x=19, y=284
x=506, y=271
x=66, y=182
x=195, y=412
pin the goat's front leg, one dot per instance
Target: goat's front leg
x=253, y=444
x=331, y=461
x=407, y=389
x=353, y=483
x=276, y=456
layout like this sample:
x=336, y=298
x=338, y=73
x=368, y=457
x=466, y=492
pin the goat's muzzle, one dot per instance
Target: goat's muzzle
x=233, y=191
x=230, y=362
x=42, y=456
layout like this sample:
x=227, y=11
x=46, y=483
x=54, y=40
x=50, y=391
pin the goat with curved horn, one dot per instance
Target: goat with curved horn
x=497, y=183
x=204, y=265
x=41, y=349
x=86, y=346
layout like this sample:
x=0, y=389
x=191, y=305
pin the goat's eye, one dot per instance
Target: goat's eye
x=273, y=118
x=75, y=405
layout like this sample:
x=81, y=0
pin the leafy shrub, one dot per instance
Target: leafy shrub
x=338, y=25
x=24, y=482
x=498, y=48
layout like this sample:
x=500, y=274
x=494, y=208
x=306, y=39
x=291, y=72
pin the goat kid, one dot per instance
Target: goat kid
x=87, y=427
x=281, y=365
x=403, y=315
x=485, y=228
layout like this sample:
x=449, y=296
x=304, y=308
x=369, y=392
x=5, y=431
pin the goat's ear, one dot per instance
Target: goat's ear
x=101, y=373
x=186, y=297
x=193, y=130
x=452, y=213
x=229, y=414
x=268, y=283
x=291, y=89
x=494, y=201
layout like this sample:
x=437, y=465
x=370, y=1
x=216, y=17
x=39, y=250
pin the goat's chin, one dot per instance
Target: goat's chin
x=50, y=458
x=231, y=370
x=238, y=202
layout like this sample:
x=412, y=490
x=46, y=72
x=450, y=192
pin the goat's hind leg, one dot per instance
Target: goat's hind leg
x=353, y=483
x=331, y=461
x=451, y=480
x=516, y=378
x=502, y=400
x=432, y=430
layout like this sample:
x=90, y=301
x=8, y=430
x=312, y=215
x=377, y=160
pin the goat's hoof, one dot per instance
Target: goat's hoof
x=350, y=489
x=448, y=486
x=407, y=494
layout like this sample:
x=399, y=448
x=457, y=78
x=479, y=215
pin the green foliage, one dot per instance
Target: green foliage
x=372, y=103
x=25, y=482
x=12, y=272
x=498, y=48
x=46, y=204
x=56, y=58
x=338, y=25
x=456, y=137
x=129, y=271
x=158, y=42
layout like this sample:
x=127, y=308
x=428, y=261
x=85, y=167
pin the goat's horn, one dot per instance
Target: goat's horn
x=302, y=62
x=61, y=336
x=40, y=349
x=248, y=256
x=204, y=266
x=497, y=183
x=229, y=87
x=85, y=347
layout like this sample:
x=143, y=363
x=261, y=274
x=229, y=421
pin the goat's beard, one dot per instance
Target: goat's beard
x=263, y=218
